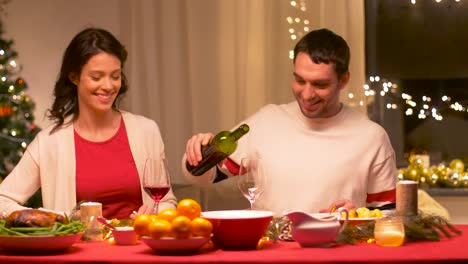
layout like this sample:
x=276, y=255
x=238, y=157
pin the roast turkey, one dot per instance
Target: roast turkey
x=34, y=218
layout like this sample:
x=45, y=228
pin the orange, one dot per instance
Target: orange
x=141, y=223
x=159, y=228
x=189, y=208
x=181, y=227
x=201, y=227
x=154, y=216
x=167, y=214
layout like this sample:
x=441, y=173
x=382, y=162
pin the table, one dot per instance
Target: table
x=446, y=251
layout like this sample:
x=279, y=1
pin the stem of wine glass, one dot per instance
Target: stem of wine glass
x=252, y=201
x=156, y=207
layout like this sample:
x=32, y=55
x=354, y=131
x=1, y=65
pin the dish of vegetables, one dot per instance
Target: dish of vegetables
x=30, y=230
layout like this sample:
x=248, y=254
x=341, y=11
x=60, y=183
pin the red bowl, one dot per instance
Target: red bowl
x=238, y=229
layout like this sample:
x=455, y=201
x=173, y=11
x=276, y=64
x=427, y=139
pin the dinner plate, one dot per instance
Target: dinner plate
x=173, y=245
x=361, y=220
x=351, y=221
x=38, y=243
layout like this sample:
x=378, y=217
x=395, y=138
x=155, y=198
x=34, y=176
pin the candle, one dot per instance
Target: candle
x=389, y=232
x=407, y=198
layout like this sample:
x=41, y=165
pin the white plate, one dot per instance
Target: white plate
x=354, y=220
x=175, y=245
x=38, y=243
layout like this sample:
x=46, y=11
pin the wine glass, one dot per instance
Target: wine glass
x=251, y=179
x=156, y=180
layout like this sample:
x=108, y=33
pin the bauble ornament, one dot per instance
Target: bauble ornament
x=454, y=179
x=457, y=165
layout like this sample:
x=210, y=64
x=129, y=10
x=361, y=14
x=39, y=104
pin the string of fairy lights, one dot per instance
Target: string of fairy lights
x=437, y=1
x=298, y=24
x=423, y=107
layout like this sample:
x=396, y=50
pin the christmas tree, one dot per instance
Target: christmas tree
x=17, y=128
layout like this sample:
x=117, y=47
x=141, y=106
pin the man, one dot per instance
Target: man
x=319, y=154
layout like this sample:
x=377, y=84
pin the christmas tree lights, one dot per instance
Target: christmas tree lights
x=17, y=128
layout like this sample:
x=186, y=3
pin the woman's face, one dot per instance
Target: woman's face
x=99, y=83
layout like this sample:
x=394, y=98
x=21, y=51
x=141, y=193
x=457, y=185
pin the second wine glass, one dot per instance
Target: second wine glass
x=156, y=180
x=251, y=179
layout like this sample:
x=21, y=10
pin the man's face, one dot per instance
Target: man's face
x=317, y=87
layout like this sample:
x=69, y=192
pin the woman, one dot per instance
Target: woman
x=93, y=151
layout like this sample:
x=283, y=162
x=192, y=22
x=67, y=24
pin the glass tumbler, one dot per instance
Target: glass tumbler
x=389, y=232
x=90, y=211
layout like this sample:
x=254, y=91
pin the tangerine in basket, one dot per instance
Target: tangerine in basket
x=154, y=216
x=181, y=227
x=201, y=227
x=159, y=228
x=141, y=223
x=167, y=214
x=189, y=208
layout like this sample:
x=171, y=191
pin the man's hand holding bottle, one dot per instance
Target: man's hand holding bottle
x=204, y=151
x=193, y=149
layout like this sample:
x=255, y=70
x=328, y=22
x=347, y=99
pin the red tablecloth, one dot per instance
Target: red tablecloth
x=447, y=250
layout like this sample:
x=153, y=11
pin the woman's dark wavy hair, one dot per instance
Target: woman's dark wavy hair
x=324, y=46
x=83, y=46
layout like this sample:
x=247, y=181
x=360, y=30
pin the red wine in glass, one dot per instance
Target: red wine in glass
x=156, y=182
x=157, y=193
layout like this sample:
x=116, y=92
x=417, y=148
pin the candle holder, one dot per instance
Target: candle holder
x=389, y=232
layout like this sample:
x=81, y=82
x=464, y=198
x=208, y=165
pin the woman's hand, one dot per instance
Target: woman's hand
x=194, y=146
x=144, y=209
x=337, y=204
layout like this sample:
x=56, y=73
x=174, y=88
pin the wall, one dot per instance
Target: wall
x=41, y=30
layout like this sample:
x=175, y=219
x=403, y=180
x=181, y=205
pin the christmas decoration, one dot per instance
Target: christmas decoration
x=441, y=175
x=279, y=229
x=457, y=165
x=298, y=24
x=17, y=128
x=5, y=111
x=383, y=93
x=422, y=107
x=437, y=1
x=420, y=227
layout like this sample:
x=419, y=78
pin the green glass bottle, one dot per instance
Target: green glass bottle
x=221, y=146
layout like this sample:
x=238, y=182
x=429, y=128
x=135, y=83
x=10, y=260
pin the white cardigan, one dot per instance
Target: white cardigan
x=49, y=163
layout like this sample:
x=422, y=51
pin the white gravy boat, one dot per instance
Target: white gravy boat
x=310, y=231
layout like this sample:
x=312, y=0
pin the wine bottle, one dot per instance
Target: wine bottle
x=221, y=146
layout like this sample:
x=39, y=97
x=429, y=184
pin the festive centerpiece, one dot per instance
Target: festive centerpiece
x=418, y=226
